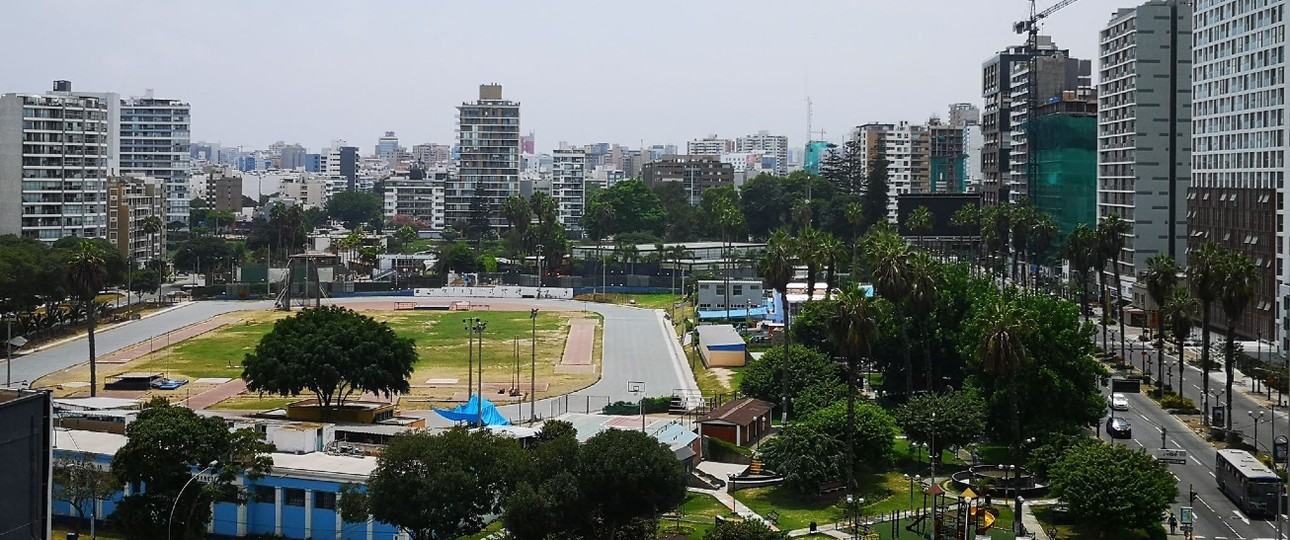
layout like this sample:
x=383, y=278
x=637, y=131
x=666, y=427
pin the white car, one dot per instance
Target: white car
x=1119, y=402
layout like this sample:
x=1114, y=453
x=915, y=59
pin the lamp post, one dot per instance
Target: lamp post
x=170, y=522
x=931, y=449
x=1257, y=418
x=916, y=478
x=533, y=370
x=470, y=357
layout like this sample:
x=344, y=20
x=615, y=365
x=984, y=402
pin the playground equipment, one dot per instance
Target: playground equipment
x=986, y=521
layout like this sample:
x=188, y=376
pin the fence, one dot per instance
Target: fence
x=574, y=403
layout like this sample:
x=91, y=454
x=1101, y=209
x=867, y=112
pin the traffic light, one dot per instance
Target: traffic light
x=1191, y=494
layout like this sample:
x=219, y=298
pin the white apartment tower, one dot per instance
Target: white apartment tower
x=1144, y=130
x=54, y=167
x=154, y=142
x=709, y=146
x=766, y=144
x=568, y=181
x=488, y=140
x=1239, y=145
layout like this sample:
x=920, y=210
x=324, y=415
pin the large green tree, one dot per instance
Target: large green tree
x=164, y=448
x=1240, y=277
x=635, y=207
x=333, y=353
x=1112, y=489
x=812, y=452
x=87, y=273
x=81, y=483
x=952, y=419
x=435, y=486
x=354, y=208
x=763, y=204
x=813, y=380
x=628, y=475
x=1205, y=277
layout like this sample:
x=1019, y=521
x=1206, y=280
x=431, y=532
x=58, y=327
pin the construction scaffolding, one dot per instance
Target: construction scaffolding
x=1065, y=156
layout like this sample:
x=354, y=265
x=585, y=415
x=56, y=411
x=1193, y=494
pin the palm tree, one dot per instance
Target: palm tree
x=854, y=214
x=1205, y=276
x=1240, y=277
x=1042, y=233
x=1161, y=279
x=810, y=251
x=924, y=288
x=675, y=253
x=776, y=266
x=919, y=222
x=152, y=227
x=994, y=234
x=1081, y=252
x=1002, y=351
x=1111, y=232
x=1179, y=308
x=853, y=326
x=1022, y=220
x=87, y=273
x=891, y=278
x=968, y=217
x=801, y=213
x=833, y=252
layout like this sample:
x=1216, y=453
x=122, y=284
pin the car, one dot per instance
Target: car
x=168, y=384
x=1119, y=428
x=1119, y=402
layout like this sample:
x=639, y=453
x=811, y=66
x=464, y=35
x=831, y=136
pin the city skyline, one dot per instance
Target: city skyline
x=273, y=73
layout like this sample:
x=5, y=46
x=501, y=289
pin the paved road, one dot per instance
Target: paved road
x=1216, y=516
x=637, y=346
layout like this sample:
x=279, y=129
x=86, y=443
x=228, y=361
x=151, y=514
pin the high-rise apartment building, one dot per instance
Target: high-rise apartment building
x=132, y=202
x=946, y=160
x=224, y=190
x=292, y=157
x=568, y=183
x=418, y=196
x=763, y=142
x=387, y=145
x=54, y=165
x=430, y=154
x=1053, y=73
x=1144, y=130
x=709, y=146
x=488, y=139
x=154, y=142
x=1064, y=140
x=997, y=87
x=1238, y=145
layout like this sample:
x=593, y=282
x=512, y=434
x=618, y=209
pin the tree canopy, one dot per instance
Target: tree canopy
x=333, y=353
x=813, y=379
x=1111, y=488
x=164, y=447
x=633, y=206
x=354, y=208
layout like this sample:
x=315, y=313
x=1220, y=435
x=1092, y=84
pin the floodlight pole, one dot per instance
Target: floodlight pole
x=533, y=370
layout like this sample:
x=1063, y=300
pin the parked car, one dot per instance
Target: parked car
x=168, y=384
x=1119, y=428
x=1119, y=402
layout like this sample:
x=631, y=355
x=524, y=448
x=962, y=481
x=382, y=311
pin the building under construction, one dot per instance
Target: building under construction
x=1064, y=135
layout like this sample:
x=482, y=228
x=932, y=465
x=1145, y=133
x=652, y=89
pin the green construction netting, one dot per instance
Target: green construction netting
x=1065, y=183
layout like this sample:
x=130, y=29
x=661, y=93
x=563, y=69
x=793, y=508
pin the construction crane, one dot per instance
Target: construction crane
x=1030, y=26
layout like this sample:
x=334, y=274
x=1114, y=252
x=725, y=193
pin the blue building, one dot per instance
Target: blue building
x=313, y=163
x=297, y=500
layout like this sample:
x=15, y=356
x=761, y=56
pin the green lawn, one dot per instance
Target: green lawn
x=1001, y=530
x=252, y=402
x=490, y=529
x=796, y=511
x=649, y=301
x=1066, y=530
x=697, y=515
x=440, y=339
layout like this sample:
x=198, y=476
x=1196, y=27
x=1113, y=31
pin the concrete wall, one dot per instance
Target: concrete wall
x=25, y=418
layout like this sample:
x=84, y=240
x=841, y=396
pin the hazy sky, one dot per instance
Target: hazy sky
x=585, y=71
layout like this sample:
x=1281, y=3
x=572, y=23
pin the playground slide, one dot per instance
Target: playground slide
x=986, y=522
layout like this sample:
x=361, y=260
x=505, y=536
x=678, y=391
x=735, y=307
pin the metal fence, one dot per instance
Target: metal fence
x=576, y=403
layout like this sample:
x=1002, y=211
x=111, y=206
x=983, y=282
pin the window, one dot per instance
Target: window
x=265, y=494
x=739, y=290
x=293, y=497
x=325, y=500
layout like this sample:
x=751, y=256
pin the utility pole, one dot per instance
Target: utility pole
x=533, y=369
x=470, y=357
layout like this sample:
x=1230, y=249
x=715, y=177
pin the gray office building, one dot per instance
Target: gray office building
x=1144, y=130
x=26, y=420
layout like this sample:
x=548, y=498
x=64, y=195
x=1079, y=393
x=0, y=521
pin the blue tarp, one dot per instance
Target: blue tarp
x=469, y=412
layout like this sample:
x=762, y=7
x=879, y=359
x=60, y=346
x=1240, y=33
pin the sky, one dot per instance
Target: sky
x=584, y=71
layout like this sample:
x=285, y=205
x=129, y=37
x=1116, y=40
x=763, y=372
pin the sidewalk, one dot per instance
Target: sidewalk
x=733, y=504
x=97, y=330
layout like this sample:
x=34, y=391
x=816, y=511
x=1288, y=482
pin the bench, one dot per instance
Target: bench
x=830, y=487
x=405, y=305
x=773, y=517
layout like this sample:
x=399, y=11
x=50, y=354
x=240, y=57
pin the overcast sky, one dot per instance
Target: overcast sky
x=585, y=71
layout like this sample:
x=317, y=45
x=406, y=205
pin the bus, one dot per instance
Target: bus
x=1247, y=482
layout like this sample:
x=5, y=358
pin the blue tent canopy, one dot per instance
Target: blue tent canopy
x=734, y=313
x=469, y=412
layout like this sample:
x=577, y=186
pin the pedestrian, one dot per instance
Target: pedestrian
x=1173, y=524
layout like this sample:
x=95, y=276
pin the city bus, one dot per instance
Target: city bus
x=1247, y=482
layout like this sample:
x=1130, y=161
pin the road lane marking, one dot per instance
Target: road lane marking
x=1241, y=516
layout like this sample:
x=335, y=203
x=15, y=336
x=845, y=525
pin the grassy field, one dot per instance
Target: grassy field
x=696, y=517
x=1066, y=530
x=440, y=344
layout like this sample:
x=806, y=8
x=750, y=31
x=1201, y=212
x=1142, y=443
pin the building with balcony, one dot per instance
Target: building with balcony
x=695, y=173
x=54, y=165
x=568, y=183
x=775, y=146
x=488, y=166
x=154, y=142
x=418, y=196
x=132, y=202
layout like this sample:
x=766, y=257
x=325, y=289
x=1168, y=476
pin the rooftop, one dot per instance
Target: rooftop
x=719, y=334
x=739, y=412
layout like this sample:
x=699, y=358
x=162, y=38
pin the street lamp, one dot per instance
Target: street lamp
x=170, y=522
x=10, y=344
x=911, y=479
x=1257, y=418
x=533, y=370
x=639, y=387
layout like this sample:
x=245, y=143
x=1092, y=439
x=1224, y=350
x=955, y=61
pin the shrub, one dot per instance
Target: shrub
x=1172, y=401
